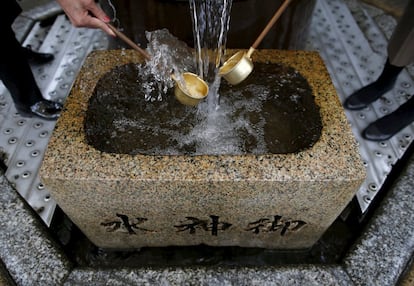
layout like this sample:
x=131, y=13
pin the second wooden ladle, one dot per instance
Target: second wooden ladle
x=238, y=67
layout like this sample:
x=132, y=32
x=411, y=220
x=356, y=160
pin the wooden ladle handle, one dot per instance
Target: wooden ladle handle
x=271, y=23
x=127, y=40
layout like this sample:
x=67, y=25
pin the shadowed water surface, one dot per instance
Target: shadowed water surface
x=273, y=111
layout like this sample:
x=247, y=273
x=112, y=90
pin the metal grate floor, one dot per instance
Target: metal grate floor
x=24, y=140
x=354, y=50
x=349, y=40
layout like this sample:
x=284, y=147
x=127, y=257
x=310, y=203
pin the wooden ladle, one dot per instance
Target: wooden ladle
x=189, y=90
x=238, y=67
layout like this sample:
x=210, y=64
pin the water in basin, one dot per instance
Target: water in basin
x=271, y=112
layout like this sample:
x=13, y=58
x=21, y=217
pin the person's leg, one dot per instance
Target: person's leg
x=389, y=125
x=401, y=45
x=400, y=53
x=17, y=76
x=368, y=94
x=37, y=57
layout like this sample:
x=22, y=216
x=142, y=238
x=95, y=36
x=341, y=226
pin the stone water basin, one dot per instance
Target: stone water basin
x=283, y=199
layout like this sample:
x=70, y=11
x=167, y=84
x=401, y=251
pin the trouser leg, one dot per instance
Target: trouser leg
x=16, y=74
x=387, y=126
x=367, y=94
x=400, y=54
x=401, y=44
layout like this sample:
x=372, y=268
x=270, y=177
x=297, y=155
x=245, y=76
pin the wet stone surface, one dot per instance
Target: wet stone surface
x=273, y=111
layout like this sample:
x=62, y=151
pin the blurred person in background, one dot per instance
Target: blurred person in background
x=15, y=71
x=400, y=54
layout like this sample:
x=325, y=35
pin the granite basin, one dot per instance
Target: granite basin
x=284, y=201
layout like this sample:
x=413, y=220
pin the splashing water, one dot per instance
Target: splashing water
x=210, y=20
x=168, y=56
x=215, y=127
x=273, y=111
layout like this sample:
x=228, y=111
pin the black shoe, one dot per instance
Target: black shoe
x=368, y=94
x=389, y=125
x=36, y=57
x=44, y=109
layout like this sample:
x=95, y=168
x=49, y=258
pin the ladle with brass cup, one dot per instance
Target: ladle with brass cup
x=239, y=66
x=189, y=89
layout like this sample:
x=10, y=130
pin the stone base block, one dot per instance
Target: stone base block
x=282, y=201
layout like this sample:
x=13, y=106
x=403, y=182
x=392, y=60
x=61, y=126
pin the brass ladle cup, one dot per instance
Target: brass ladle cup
x=192, y=91
x=188, y=90
x=238, y=67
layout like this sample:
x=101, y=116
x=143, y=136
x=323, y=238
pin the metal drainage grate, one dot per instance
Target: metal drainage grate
x=353, y=57
x=23, y=140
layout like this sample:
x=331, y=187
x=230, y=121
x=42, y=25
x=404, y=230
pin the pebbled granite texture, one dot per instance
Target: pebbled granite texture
x=30, y=255
x=388, y=241
x=374, y=259
x=303, y=275
x=125, y=201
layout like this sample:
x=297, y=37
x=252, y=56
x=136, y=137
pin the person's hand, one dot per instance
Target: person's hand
x=86, y=13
